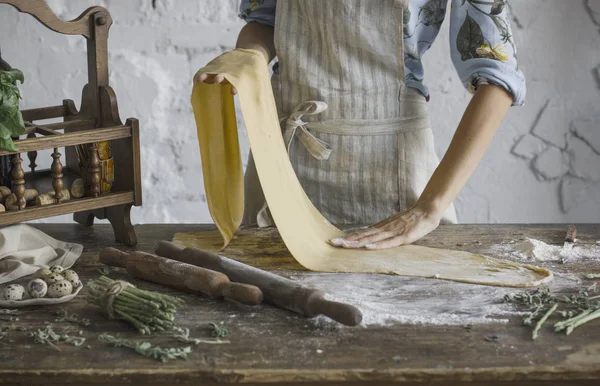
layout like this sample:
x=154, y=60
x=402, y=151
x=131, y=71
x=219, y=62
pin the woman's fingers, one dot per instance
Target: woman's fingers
x=212, y=79
x=392, y=242
x=367, y=240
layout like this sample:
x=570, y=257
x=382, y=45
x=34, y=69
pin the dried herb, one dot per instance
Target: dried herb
x=592, y=276
x=218, y=330
x=146, y=310
x=49, y=336
x=183, y=335
x=146, y=349
x=63, y=316
x=11, y=315
x=577, y=309
x=106, y=270
x=541, y=322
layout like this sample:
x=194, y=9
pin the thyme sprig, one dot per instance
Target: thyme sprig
x=50, y=337
x=147, y=349
x=64, y=316
x=183, y=335
x=576, y=309
x=218, y=330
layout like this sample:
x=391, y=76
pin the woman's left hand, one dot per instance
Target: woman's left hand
x=400, y=229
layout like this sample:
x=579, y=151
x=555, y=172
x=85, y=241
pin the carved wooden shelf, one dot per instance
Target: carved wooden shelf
x=95, y=139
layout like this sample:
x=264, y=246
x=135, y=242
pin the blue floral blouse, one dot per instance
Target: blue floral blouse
x=481, y=40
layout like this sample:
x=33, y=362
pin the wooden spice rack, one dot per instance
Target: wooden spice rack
x=96, y=124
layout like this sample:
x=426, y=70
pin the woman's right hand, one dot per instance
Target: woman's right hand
x=212, y=79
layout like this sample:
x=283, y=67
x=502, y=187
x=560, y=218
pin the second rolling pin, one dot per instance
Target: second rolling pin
x=277, y=290
x=181, y=276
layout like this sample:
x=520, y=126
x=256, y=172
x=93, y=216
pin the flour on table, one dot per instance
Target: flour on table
x=537, y=250
x=387, y=300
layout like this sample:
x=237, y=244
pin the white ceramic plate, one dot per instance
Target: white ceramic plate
x=28, y=301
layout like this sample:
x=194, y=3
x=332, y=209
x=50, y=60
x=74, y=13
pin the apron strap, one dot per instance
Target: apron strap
x=294, y=126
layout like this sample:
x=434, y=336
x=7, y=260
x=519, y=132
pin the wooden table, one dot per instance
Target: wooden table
x=269, y=345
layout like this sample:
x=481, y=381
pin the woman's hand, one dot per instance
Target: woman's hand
x=211, y=79
x=400, y=229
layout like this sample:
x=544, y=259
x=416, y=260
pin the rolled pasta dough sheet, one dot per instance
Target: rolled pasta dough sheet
x=303, y=229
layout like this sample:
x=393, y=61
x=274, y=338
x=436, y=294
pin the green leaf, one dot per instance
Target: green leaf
x=14, y=75
x=11, y=119
x=7, y=144
x=470, y=37
x=433, y=13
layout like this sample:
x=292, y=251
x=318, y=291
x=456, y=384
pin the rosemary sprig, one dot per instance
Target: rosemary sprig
x=183, y=335
x=146, y=349
x=146, y=310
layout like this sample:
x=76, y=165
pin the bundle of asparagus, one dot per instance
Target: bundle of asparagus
x=146, y=310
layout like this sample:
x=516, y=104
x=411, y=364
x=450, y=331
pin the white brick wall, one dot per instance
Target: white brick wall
x=552, y=175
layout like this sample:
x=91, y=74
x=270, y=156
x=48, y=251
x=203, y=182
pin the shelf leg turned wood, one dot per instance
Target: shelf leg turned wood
x=84, y=218
x=94, y=170
x=57, y=176
x=119, y=217
x=18, y=180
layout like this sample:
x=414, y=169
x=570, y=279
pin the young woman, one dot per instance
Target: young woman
x=349, y=89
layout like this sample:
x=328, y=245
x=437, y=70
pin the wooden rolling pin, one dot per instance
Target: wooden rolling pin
x=181, y=276
x=277, y=290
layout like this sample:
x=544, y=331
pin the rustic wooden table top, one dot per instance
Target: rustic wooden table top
x=269, y=345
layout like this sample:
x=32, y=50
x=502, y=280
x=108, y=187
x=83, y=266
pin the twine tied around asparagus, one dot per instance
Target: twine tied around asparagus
x=148, y=311
x=112, y=291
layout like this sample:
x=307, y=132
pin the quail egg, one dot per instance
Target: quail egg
x=55, y=277
x=56, y=269
x=42, y=272
x=76, y=283
x=60, y=289
x=37, y=288
x=70, y=275
x=13, y=292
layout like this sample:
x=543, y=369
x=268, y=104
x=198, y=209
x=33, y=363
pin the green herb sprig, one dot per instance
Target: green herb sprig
x=64, y=316
x=50, y=337
x=576, y=309
x=146, y=349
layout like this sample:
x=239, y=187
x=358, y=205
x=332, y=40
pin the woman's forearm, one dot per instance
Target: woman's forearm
x=475, y=132
x=258, y=37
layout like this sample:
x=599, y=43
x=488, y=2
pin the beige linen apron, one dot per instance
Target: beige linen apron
x=359, y=140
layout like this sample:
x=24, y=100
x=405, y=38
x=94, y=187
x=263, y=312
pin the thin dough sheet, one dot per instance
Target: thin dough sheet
x=303, y=229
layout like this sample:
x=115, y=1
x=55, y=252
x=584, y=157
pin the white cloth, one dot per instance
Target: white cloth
x=24, y=250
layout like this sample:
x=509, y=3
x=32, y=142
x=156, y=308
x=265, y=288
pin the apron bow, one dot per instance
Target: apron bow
x=294, y=126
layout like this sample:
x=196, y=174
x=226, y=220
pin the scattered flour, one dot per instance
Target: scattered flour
x=386, y=299
x=532, y=249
